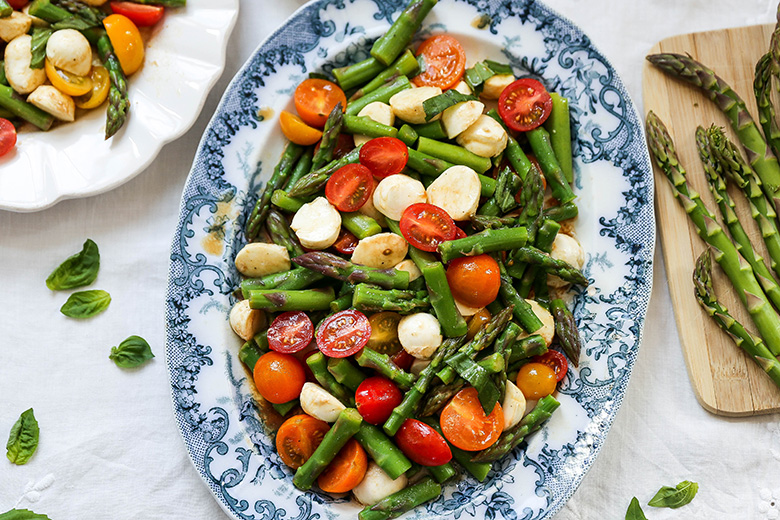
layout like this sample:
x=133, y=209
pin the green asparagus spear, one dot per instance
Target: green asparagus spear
x=356, y=74
x=382, y=450
x=520, y=162
x=285, y=408
x=531, y=202
x=291, y=300
x=402, y=501
x=439, y=396
x=293, y=279
x=281, y=234
x=539, y=139
x=249, y=353
x=559, y=126
x=336, y=267
x=384, y=365
x=330, y=138
x=483, y=242
x=361, y=125
x=367, y=298
x=561, y=269
x=291, y=154
x=319, y=367
x=544, y=241
x=481, y=222
x=762, y=87
x=528, y=347
x=408, y=135
x=479, y=378
x=164, y=3
x=345, y=373
x=566, y=330
x=360, y=225
x=426, y=164
x=454, y=154
x=283, y=201
x=390, y=45
x=10, y=101
x=302, y=167
x=314, y=181
x=562, y=212
x=523, y=312
x=118, y=101
x=383, y=94
x=405, y=65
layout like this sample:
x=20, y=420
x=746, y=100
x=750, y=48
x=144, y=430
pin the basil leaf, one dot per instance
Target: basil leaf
x=674, y=497
x=22, y=514
x=77, y=271
x=40, y=37
x=131, y=353
x=635, y=511
x=23, y=439
x=438, y=104
x=499, y=68
x=476, y=76
x=85, y=304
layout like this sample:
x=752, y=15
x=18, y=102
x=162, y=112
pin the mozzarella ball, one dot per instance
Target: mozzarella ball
x=408, y=104
x=317, y=224
x=486, y=137
x=383, y=250
x=245, y=321
x=370, y=210
x=410, y=267
x=463, y=88
x=15, y=25
x=20, y=76
x=319, y=403
x=547, y=330
x=376, y=485
x=395, y=193
x=259, y=259
x=376, y=111
x=513, y=405
x=54, y=102
x=70, y=51
x=494, y=85
x=566, y=248
x=457, y=191
x=420, y=334
x=456, y=119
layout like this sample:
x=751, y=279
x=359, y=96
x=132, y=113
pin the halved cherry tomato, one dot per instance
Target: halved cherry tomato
x=345, y=243
x=127, y=42
x=459, y=233
x=298, y=437
x=346, y=470
x=315, y=99
x=343, y=334
x=425, y=226
x=536, y=380
x=384, y=156
x=17, y=4
x=477, y=322
x=402, y=359
x=524, y=104
x=375, y=399
x=465, y=425
x=141, y=15
x=344, y=145
x=297, y=131
x=445, y=62
x=422, y=444
x=554, y=360
x=349, y=187
x=384, y=333
x=290, y=332
x=101, y=82
x=7, y=136
x=474, y=280
x=66, y=82
x=279, y=377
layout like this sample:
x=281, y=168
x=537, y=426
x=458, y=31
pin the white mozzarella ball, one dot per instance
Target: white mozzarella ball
x=376, y=485
x=494, y=85
x=463, y=88
x=319, y=403
x=376, y=111
x=259, y=259
x=54, y=102
x=410, y=267
x=457, y=191
x=408, y=104
x=566, y=248
x=486, y=137
x=70, y=51
x=397, y=192
x=513, y=405
x=11, y=27
x=317, y=224
x=245, y=321
x=547, y=330
x=420, y=334
x=458, y=118
x=20, y=76
x=370, y=210
x=383, y=250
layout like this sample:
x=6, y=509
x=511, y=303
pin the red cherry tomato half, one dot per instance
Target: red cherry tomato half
x=425, y=226
x=349, y=187
x=375, y=399
x=402, y=359
x=554, y=360
x=524, y=104
x=18, y=4
x=459, y=233
x=345, y=243
x=7, y=136
x=384, y=156
x=290, y=332
x=141, y=15
x=343, y=334
x=422, y=444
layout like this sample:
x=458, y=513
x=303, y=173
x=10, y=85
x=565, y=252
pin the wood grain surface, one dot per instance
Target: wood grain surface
x=725, y=379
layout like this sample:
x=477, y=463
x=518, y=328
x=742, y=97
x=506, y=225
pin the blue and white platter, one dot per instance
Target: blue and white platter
x=212, y=395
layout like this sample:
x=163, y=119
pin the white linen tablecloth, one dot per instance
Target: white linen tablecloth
x=110, y=448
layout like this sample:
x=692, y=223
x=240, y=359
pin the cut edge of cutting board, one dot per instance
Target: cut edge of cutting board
x=725, y=380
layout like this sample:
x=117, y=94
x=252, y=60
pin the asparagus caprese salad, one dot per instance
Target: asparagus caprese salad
x=60, y=55
x=407, y=269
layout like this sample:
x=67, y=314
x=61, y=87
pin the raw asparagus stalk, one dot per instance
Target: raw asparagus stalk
x=390, y=45
x=559, y=126
x=330, y=138
x=382, y=363
x=486, y=241
x=367, y=298
x=281, y=233
x=566, y=330
x=523, y=312
x=314, y=181
x=293, y=279
x=291, y=154
x=561, y=269
x=762, y=87
x=345, y=373
x=405, y=65
x=382, y=450
x=336, y=267
x=277, y=300
x=402, y=501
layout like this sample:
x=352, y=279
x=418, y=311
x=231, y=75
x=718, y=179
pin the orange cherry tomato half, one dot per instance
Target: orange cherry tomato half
x=7, y=136
x=346, y=470
x=315, y=99
x=127, y=42
x=343, y=334
x=298, y=437
x=536, y=380
x=345, y=243
x=425, y=226
x=349, y=187
x=297, y=131
x=524, y=104
x=279, y=377
x=465, y=425
x=474, y=280
x=384, y=156
x=554, y=360
x=422, y=444
x=141, y=15
x=290, y=332
x=445, y=62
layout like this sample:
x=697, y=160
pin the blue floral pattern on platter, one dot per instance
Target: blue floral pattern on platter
x=211, y=392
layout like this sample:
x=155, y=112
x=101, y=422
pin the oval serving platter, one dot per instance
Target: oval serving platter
x=212, y=395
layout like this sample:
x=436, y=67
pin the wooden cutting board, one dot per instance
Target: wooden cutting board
x=725, y=379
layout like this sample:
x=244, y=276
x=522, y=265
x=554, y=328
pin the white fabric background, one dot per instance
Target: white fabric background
x=109, y=446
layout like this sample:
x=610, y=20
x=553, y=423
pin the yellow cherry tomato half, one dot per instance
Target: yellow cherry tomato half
x=297, y=131
x=536, y=380
x=66, y=82
x=100, y=84
x=127, y=42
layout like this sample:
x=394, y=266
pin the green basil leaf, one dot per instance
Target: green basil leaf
x=85, y=304
x=674, y=497
x=438, y=104
x=77, y=271
x=131, y=353
x=635, y=511
x=23, y=439
x=22, y=514
x=499, y=68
